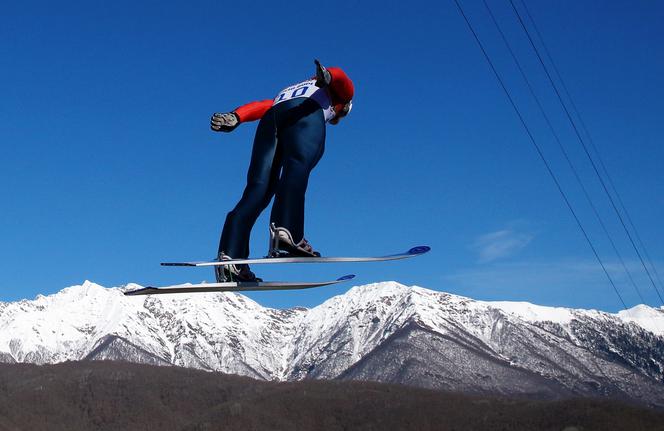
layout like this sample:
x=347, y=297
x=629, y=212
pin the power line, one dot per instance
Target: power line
x=539, y=151
x=585, y=149
x=562, y=149
x=592, y=143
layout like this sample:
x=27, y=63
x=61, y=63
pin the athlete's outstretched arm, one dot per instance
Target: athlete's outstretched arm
x=253, y=111
x=228, y=121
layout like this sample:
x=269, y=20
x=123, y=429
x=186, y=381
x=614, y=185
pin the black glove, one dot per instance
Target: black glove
x=224, y=122
x=323, y=77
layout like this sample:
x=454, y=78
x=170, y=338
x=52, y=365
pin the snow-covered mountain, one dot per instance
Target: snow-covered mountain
x=385, y=332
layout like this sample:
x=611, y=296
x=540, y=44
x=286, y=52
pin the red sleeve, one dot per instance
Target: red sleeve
x=341, y=86
x=253, y=111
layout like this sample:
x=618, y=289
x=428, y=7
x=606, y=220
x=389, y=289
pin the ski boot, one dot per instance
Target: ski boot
x=283, y=245
x=238, y=273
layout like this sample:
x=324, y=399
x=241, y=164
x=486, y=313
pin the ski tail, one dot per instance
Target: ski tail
x=236, y=286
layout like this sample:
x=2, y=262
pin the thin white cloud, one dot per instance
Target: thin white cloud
x=500, y=244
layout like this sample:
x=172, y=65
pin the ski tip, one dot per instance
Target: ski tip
x=420, y=249
x=346, y=277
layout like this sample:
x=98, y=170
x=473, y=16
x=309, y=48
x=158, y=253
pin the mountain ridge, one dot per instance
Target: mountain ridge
x=381, y=331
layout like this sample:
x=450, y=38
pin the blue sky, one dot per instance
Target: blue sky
x=108, y=165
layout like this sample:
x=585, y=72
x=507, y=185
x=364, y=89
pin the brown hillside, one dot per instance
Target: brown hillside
x=123, y=396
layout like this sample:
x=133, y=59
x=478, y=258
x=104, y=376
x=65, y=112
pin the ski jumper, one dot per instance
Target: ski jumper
x=289, y=142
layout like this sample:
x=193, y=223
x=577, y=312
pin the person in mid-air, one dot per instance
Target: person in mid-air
x=289, y=142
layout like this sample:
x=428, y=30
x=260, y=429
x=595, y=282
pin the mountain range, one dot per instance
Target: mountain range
x=384, y=332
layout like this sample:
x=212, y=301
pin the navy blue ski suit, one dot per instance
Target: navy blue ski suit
x=289, y=142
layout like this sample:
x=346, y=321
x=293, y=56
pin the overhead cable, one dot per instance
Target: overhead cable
x=585, y=149
x=539, y=150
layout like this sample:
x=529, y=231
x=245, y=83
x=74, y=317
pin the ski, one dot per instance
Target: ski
x=234, y=286
x=415, y=251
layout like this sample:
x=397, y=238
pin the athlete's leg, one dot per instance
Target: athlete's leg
x=302, y=144
x=262, y=179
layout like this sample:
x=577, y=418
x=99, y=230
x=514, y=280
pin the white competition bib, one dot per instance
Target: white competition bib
x=307, y=89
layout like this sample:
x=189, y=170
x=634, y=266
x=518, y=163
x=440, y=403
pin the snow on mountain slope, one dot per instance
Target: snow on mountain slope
x=226, y=332
x=337, y=333
x=535, y=313
x=650, y=319
x=508, y=347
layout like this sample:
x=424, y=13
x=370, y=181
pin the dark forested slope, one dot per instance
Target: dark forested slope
x=114, y=395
